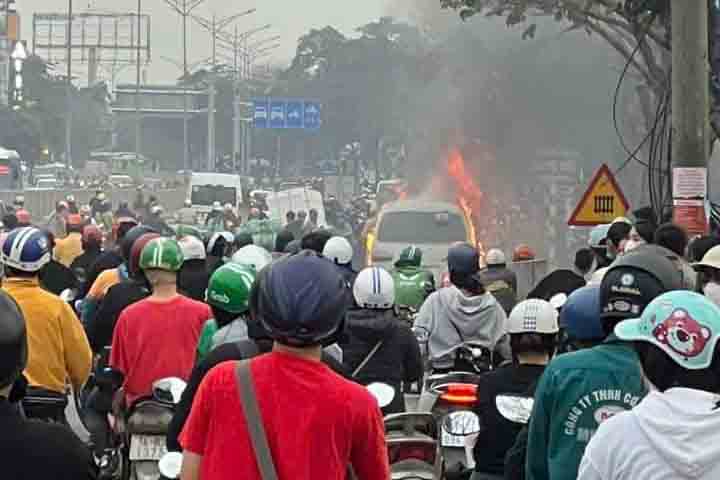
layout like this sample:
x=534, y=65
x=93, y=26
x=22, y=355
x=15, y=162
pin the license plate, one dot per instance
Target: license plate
x=447, y=440
x=147, y=447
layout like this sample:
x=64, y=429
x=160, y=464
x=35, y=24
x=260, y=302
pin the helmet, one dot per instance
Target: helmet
x=187, y=202
x=229, y=288
x=101, y=196
x=580, y=316
x=136, y=250
x=192, y=248
x=685, y=325
x=70, y=198
x=374, y=288
x=411, y=255
x=523, y=253
x=598, y=235
x=254, y=212
x=634, y=280
x=23, y=217
x=161, y=254
x=133, y=234
x=187, y=231
x=228, y=207
x=300, y=300
x=253, y=256
x=216, y=206
x=339, y=250
x=495, y=256
x=62, y=205
x=533, y=316
x=91, y=234
x=710, y=260
x=218, y=237
x=157, y=209
x=74, y=220
x=19, y=200
x=13, y=341
x=26, y=249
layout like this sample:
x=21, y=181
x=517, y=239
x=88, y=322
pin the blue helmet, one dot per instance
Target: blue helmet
x=26, y=249
x=300, y=300
x=580, y=316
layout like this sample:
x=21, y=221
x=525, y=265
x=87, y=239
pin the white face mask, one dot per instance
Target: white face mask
x=712, y=292
x=633, y=244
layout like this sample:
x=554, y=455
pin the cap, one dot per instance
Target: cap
x=626, y=291
x=683, y=324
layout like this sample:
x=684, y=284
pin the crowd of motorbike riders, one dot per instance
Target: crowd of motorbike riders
x=618, y=353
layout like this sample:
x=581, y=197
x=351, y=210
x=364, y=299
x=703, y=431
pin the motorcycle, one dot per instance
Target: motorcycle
x=412, y=440
x=141, y=430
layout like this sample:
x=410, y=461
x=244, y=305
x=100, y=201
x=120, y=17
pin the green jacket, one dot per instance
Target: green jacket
x=576, y=393
x=412, y=286
x=205, y=344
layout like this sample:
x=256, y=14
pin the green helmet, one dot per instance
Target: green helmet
x=187, y=231
x=410, y=256
x=229, y=288
x=161, y=254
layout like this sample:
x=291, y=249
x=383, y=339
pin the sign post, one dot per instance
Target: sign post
x=293, y=114
x=601, y=203
x=690, y=188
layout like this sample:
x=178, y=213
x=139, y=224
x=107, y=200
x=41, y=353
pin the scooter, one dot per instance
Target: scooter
x=412, y=440
x=142, y=430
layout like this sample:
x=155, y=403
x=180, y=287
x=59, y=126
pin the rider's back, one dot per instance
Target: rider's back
x=154, y=340
x=56, y=340
x=315, y=421
x=32, y=450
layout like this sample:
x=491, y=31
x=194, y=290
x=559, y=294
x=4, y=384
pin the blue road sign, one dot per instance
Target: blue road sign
x=294, y=114
x=312, y=115
x=277, y=114
x=260, y=113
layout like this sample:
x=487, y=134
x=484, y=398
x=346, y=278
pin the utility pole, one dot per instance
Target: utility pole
x=68, y=90
x=138, y=116
x=185, y=8
x=690, y=113
x=690, y=84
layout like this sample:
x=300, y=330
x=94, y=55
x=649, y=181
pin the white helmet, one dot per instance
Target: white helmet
x=157, y=210
x=228, y=207
x=375, y=289
x=252, y=255
x=339, y=250
x=533, y=316
x=192, y=248
x=495, y=256
x=227, y=236
x=217, y=207
x=188, y=203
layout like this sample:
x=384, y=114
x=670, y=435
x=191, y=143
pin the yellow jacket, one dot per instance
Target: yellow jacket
x=68, y=249
x=58, y=349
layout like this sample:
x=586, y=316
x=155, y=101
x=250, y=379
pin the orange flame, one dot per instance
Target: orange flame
x=469, y=196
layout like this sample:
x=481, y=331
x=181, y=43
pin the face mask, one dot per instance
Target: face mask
x=632, y=244
x=712, y=292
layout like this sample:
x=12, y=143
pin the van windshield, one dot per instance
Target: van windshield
x=206, y=195
x=421, y=227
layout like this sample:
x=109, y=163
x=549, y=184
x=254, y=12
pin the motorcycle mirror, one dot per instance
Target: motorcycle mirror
x=515, y=409
x=68, y=295
x=383, y=393
x=461, y=423
x=170, y=465
x=169, y=390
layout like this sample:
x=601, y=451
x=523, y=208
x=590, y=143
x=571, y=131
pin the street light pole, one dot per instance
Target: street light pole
x=68, y=90
x=138, y=117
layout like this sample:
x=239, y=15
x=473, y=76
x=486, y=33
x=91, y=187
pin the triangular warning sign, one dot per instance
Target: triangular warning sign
x=602, y=203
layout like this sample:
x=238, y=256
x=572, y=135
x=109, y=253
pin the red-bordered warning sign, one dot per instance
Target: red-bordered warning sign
x=602, y=202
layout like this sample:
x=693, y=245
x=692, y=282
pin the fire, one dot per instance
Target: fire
x=469, y=196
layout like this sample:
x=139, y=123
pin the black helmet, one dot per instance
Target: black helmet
x=13, y=341
x=300, y=300
x=634, y=280
x=129, y=239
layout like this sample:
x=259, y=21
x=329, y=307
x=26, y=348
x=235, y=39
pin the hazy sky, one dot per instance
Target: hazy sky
x=289, y=18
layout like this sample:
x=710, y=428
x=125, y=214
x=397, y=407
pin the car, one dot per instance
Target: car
x=121, y=181
x=430, y=225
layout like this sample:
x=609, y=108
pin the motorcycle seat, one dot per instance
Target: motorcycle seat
x=148, y=417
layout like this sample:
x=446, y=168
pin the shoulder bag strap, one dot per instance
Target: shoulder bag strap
x=254, y=421
x=367, y=358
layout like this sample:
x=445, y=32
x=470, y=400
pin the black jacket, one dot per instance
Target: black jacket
x=56, y=277
x=502, y=283
x=193, y=279
x=223, y=353
x=397, y=360
x=107, y=261
x=82, y=265
x=32, y=450
x=559, y=281
x=100, y=327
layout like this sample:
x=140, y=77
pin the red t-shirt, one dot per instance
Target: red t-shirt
x=154, y=340
x=316, y=423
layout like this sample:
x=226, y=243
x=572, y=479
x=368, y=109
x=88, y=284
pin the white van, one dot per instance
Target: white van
x=207, y=188
x=295, y=199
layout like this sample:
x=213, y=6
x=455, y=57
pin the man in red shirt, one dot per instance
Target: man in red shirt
x=317, y=424
x=156, y=338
